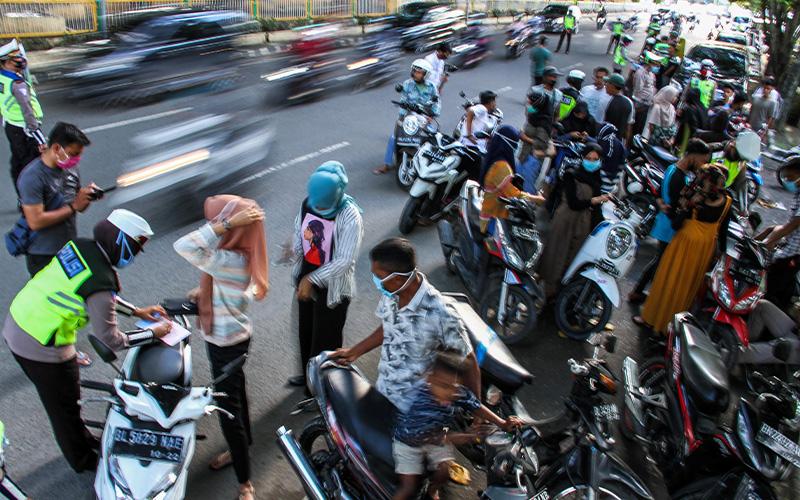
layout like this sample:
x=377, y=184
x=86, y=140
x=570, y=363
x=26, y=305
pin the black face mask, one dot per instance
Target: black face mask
x=20, y=62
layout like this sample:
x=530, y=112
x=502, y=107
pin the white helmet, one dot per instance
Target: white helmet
x=131, y=224
x=577, y=74
x=748, y=145
x=12, y=46
x=422, y=65
x=707, y=63
x=650, y=41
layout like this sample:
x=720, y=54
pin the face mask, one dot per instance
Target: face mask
x=20, y=62
x=70, y=162
x=591, y=166
x=386, y=293
x=704, y=73
x=530, y=109
x=126, y=253
x=656, y=69
x=790, y=186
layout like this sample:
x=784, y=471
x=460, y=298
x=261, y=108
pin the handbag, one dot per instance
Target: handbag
x=21, y=236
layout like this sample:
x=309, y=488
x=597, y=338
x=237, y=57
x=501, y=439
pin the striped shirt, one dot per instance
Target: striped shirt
x=231, y=295
x=338, y=274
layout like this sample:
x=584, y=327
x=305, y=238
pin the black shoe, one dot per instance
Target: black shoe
x=297, y=381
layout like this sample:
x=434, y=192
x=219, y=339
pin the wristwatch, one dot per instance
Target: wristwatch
x=226, y=224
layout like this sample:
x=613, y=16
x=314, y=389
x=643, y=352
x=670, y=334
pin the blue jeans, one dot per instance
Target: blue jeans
x=388, y=157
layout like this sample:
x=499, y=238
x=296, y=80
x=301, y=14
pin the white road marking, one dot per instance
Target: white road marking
x=122, y=123
x=503, y=90
x=294, y=161
x=571, y=66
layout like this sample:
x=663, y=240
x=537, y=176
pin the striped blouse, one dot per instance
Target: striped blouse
x=231, y=295
x=338, y=274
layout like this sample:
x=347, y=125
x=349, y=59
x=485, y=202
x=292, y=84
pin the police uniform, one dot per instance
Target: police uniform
x=569, y=27
x=22, y=114
x=706, y=87
x=616, y=35
x=569, y=99
x=620, y=58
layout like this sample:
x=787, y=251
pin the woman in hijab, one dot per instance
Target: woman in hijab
x=580, y=125
x=661, y=128
x=693, y=117
x=231, y=251
x=576, y=215
x=325, y=278
x=497, y=176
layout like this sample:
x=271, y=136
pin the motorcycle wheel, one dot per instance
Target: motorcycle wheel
x=753, y=191
x=404, y=168
x=410, y=215
x=521, y=313
x=572, y=318
x=565, y=489
x=723, y=486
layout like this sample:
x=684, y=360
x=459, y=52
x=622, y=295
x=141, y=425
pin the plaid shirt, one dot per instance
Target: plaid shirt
x=791, y=243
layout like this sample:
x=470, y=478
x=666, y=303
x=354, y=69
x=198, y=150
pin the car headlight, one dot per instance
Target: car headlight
x=164, y=167
x=410, y=125
x=618, y=242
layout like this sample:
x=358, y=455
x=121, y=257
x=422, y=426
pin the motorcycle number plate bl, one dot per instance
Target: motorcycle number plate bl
x=779, y=443
x=147, y=445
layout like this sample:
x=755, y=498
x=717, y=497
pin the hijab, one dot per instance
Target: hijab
x=662, y=113
x=574, y=124
x=502, y=147
x=326, y=190
x=249, y=240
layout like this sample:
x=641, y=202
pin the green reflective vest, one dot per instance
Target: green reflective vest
x=617, y=28
x=10, y=108
x=569, y=22
x=706, y=88
x=619, y=56
x=48, y=308
x=733, y=167
x=567, y=104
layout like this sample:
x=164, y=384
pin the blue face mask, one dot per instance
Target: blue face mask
x=386, y=293
x=656, y=69
x=591, y=166
x=126, y=253
x=531, y=109
x=789, y=185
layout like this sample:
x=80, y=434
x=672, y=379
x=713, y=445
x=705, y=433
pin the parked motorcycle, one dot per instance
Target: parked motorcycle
x=706, y=444
x=8, y=489
x=631, y=24
x=150, y=431
x=498, y=269
x=410, y=132
x=589, y=286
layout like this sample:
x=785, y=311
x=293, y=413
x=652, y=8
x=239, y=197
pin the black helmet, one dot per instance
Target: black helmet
x=445, y=47
x=537, y=97
x=487, y=96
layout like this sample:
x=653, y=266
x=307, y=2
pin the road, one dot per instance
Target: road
x=351, y=128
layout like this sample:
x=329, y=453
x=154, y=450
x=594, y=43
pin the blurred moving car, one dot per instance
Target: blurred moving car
x=411, y=13
x=164, y=54
x=553, y=17
x=438, y=24
x=732, y=65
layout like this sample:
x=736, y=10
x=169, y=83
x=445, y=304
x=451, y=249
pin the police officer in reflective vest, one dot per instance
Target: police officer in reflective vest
x=746, y=147
x=621, y=54
x=617, y=28
x=704, y=83
x=569, y=28
x=571, y=93
x=80, y=285
x=22, y=113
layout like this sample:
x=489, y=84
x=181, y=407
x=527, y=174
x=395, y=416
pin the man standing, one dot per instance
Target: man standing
x=22, y=113
x=617, y=27
x=569, y=28
x=619, y=111
x=571, y=93
x=51, y=194
x=540, y=59
x=438, y=75
x=727, y=97
x=764, y=108
x=621, y=54
x=415, y=323
x=480, y=118
x=595, y=95
x=644, y=89
x=550, y=76
x=704, y=83
x=785, y=239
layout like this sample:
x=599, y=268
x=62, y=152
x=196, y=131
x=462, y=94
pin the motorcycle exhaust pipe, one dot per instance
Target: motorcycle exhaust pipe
x=291, y=450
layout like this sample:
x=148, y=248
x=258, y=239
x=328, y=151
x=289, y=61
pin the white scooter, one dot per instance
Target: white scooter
x=589, y=287
x=149, y=434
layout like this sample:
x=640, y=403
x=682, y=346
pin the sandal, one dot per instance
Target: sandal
x=221, y=461
x=640, y=322
x=382, y=170
x=637, y=298
x=247, y=493
x=83, y=359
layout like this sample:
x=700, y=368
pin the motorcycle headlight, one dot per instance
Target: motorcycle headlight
x=410, y=125
x=618, y=242
x=121, y=489
x=509, y=253
x=165, y=483
x=748, y=303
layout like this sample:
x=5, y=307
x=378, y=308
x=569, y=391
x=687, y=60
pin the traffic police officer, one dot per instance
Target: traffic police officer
x=78, y=286
x=617, y=28
x=571, y=93
x=704, y=83
x=569, y=28
x=621, y=54
x=20, y=108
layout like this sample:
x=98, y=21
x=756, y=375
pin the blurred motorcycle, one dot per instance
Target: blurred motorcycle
x=8, y=489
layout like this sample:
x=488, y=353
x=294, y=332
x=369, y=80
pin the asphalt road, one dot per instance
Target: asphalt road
x=351, y=128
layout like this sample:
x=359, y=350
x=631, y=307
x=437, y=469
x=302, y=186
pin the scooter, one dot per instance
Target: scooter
x=601, y=19
x=589, y=286
x=497, y=269
x=150, y=431
x=518, y=42
x=409, y=134
x=8, y=489
x=707, y=444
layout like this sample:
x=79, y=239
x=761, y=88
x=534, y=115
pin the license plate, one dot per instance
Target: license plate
x=526, y=233
x=780, y=444
x=607, y=412
x=147, y=445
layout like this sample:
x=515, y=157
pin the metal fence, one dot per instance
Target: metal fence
x=47, y=18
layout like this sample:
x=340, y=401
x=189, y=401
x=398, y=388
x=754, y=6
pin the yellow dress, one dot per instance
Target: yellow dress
x=681, y=270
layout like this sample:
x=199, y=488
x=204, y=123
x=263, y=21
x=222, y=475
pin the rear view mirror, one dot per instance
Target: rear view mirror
x=398, y=87
x=518, y=181
x=102, y=350
x=462, y=95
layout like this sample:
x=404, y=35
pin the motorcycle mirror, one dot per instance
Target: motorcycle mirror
x=782, y=349
x=102, y=350
x=231, y=368
x=755, y=220
x=462, y=95
x=398, y=87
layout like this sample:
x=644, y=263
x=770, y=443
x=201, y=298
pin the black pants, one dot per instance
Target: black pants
x=320, y=327
x=612, y=44
x=781, y=281
x=650, y=270
x=236, y=430
x=640, y=115
x=58, y=385
x=565, y=33
x=24, y=150
x=36, y=263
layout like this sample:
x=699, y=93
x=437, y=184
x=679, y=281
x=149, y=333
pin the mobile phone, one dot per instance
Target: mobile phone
x=98, y=193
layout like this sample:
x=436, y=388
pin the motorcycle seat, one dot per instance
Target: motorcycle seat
x=663, y=156
x=159, y=363
x=365, y=415
x=704, y=372
x=498, y=365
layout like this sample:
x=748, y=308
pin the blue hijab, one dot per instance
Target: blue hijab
x=326, y=188
x=502, y=147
